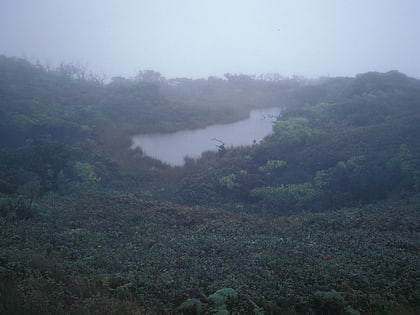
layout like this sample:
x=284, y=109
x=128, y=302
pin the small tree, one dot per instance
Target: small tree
x=150, y=76
x=229, y=181
x=86, y=178
x=403, y=168
x=286, y=198
x=271, y=166
x=296, y=130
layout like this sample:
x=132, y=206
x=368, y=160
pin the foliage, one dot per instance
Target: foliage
x=114, y=250
x=256, y=309
x=22, y=206
x=221, y=298
x=16, y=208
x=272, y=165
x=331, y=302
x=342, y=142
x=229, y=181
x=102, y=245
x=402, y=163
x=146, y=195
x=286, y=198
x=86, y=179
x=341, y=179
x=296, y=130
x=404, y=169
x=191, y=307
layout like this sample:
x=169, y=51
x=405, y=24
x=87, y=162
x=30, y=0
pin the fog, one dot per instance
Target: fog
x=182, y=38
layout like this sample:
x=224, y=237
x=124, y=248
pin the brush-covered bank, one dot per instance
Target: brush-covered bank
x=321, y=217
x=123, y=254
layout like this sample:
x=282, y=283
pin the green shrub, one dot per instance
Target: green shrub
x=272, y=165
x=16, y=208
x=331, y=302
x=286, y=198
x=191, y=307
x=85, y=177
x=295, y=130
x=146, y=195
x=220, y=299
x=229, y=181
x=403, y=168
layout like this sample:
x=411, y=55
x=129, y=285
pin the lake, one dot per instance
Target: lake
x=171, y=148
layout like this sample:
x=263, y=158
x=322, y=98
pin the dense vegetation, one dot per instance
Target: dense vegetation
x=353, y=141
x=321, y=217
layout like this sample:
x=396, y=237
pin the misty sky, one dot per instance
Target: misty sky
x=198, y=38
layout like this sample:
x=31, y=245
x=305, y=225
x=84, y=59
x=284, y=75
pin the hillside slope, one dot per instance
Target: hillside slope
x=321, y=217
x=356, y=141
x=86, y=253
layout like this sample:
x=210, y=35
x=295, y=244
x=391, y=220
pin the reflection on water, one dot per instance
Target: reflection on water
x=171, y=148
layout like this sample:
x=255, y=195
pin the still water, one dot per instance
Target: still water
x=171, y=148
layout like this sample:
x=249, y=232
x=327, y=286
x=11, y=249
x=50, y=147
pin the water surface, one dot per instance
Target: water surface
x=172, y=148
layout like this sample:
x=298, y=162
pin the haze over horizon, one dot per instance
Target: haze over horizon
x=182, y=38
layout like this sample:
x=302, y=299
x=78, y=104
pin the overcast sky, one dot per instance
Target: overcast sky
x=198, y=38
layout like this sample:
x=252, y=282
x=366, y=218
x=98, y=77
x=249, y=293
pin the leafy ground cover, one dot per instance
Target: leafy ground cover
x=91, y=227
x=119, y=252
